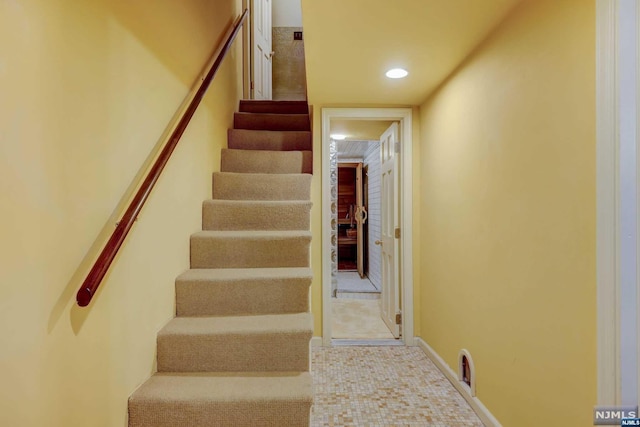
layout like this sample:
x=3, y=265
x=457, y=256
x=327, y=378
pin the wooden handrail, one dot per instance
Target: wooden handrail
x=106, y=257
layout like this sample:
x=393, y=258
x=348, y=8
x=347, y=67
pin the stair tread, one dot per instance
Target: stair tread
x=281, y=133
x=265, y=153
x=226, y=386
x=249, y=249
x=274, y=101
x=266, y=161
x=271, y=121
x=221, y=214
x=258, y=202
x=258, y=106
x=271, y=101
x=243, y=291
x=260, y=176
x=258, y=234
x=279, y=140
x=276, y=115
x=222, y=274
x=273, y=133
x=261, y=186
x=228, y=325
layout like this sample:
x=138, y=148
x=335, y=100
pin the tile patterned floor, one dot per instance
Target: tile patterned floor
x=383, y=386
x=357, y=319
x=350, y=281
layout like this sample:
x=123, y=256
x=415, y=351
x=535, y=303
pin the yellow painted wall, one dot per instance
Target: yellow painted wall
x=508, y=216
x=87, y=88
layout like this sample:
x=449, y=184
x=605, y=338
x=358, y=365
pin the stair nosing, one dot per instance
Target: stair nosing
x=247, y=174
x=257, y=324
x=268, y=152
x=261, y=202
x=246, y=113
x=152, y=391
x=257, y=234
x=231, y=274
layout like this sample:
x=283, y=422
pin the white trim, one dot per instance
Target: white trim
x=607, y=191
x=471, y=389
x=246, y=52
x=316, y=341
x=637, y=26
x=404, y=115
x=350, y=159
x=478, y=407
x=341, y=342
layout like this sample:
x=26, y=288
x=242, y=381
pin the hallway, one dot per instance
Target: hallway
x=383, y=386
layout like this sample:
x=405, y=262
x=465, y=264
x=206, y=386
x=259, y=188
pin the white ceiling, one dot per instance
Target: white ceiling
x=350, y=44
x=356, y=149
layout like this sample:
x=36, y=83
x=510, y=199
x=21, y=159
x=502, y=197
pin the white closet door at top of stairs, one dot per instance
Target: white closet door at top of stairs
x=262, y=49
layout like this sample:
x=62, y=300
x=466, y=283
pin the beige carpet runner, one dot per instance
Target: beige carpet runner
x=237, y=352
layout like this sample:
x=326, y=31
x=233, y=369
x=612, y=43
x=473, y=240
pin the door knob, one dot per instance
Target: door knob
x=363, y=215
x=378, y=242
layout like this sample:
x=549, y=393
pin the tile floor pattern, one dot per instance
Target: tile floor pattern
x=357, y=319
x=383, y=386
x=350, y=281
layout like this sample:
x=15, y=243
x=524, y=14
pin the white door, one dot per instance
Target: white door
x=389, y=217
x=262, y=53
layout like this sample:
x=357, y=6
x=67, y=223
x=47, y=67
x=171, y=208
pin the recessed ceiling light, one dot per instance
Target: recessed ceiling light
x=397, y=73
x=338, y=136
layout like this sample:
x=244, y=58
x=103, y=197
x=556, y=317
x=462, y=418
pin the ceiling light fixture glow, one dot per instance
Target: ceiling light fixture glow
x=396, y=73
x=338, y=136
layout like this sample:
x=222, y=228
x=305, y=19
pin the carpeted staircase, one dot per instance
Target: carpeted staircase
x=237, y=352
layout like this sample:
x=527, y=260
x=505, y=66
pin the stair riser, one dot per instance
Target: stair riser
x=279, y=107
x=224, y=252
x=260, y=161
x=248, y=297
x=230, y=186
x=286, y=122
x=216, y=215
x=268, y=413
x=222, y=399
x=234, y=352
x=243, y=139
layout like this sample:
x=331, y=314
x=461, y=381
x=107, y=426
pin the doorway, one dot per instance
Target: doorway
x=403, y=210
x=356, y=293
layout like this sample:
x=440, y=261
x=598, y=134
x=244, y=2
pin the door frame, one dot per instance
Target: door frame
x=404, y=116
x=614, y=192
x=247, y=43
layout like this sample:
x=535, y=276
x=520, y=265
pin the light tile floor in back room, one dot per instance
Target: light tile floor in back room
x=356, y=310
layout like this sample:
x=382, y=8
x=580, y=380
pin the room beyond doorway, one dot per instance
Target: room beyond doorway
x=404, y=261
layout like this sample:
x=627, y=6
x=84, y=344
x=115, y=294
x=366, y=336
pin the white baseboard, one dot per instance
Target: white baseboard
x=316, y=341
x=483, y=413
